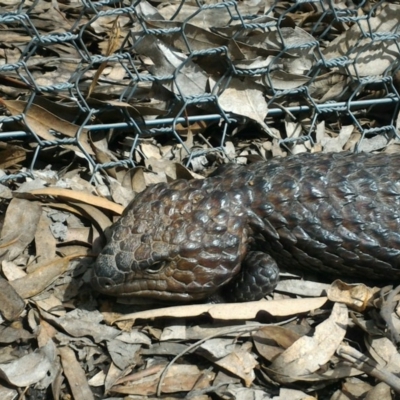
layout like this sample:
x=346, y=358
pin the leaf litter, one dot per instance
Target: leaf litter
x=59, y=339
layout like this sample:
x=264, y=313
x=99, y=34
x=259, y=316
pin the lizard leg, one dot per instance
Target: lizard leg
x=258, y=277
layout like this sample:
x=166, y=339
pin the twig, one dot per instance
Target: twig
x=369, y=366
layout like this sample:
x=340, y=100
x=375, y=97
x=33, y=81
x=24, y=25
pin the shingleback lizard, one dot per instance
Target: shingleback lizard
x=337, y=214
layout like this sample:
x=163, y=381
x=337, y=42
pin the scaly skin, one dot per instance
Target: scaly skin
x=337, y=214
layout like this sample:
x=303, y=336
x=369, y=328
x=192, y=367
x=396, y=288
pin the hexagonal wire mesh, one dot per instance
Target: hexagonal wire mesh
x=128, y=70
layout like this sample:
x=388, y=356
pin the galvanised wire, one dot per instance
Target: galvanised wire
x=89, y=12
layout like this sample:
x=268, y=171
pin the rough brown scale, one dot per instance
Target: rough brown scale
x=337, y=214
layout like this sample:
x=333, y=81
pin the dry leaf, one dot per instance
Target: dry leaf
x=302, y=287
x=75, y=375
x=245, y=97
x=41, y=121
x=11, y=304
x=29, y=369
x=19, y=227
x=244, y=311
x=45, y=242
x=266, y=337
x=240, y=363
x=308, y=354
x=75, y=196
x=355, y=296
x=43, y=276
x=335, y=144
x=370, y=57
x=183, y=377
x=11, y=155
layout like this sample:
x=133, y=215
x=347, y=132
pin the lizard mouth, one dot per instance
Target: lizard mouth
x=139, y=288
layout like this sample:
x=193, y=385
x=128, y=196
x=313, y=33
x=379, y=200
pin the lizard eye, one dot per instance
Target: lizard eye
x=157, y=267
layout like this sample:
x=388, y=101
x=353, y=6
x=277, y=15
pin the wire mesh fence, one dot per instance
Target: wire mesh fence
x=95, y=83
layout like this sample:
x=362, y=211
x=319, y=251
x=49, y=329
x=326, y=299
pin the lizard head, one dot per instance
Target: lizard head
x=177, y=242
